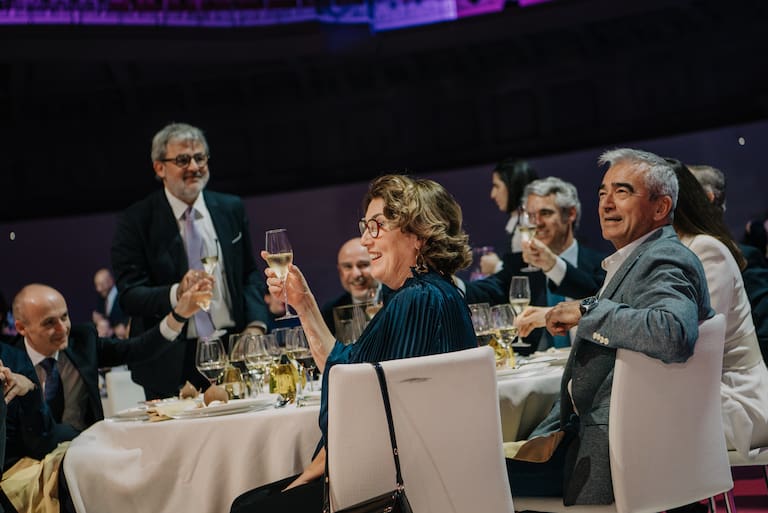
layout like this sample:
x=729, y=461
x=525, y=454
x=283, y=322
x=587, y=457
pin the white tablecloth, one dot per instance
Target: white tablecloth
x=202, y=464
x=525, y=398
x=198, y=465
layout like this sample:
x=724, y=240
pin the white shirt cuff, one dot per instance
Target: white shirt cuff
x=168, y=332
x=258, y=324
x=557, y=273
x=174, y=301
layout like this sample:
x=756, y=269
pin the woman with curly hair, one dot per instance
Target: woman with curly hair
x=412, y=231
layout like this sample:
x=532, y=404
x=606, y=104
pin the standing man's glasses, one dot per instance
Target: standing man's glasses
x=183, y=160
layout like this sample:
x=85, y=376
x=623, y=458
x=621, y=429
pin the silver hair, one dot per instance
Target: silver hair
x=713, y=181
x=176, y=132
x=566, y=195
x=660, y=177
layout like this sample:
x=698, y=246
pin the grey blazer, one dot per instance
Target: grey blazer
x=652, y=304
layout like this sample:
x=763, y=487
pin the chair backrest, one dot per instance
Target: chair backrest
x=122, y=392
x=666, y=439
x=446, y=415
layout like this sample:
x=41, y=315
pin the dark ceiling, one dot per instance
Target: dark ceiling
x=313, y=105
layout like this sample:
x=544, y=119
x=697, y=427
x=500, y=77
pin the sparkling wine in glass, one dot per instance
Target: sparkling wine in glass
x=503, y=323
x=527, y=227
x=210, y=358
x=279, y=257
x=257, y=360
x=481, y=322
x=209, y=257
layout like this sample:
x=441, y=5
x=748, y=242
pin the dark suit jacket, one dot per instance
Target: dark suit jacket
x=327, y=309
x=115, y=316
x=31, y=428
x=148, y=257
x=579, y=282
x=653, y=305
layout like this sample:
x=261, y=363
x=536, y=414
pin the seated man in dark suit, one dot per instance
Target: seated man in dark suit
x=354, y=267
x=567, y=268
x=62, y=360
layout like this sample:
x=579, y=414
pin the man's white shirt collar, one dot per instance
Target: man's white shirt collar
x=35, y=356
x=612, y=262
x=179, y=207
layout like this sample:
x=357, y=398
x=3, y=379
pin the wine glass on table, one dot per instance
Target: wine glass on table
x=279, y=257
x=481, y=322
x=209, y=257
x=519, y=299
x=505, y=331
x=303, y=354
x=257, y=360
x=210, y=358
x=527, y=227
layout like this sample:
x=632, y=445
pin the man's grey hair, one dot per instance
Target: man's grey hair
x=176, y=132
x=566, y=195
x=713, y=181
x=660, y=177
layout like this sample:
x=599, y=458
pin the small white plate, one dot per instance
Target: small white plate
x=137, y=413
x=232, y=407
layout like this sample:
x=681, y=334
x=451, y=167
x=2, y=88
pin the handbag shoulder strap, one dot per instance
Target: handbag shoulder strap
x=388, y=410
x=393, y=441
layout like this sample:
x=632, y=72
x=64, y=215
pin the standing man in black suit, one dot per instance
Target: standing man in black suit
x=156, y=257
x=354, y=265
x=62, y=362
x=107, y=306
x=567, y=269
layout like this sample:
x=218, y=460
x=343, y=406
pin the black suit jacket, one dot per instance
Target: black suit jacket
x=115, y=316
x=327, y=309
x=581, y=281
x=148, y=257
x=32, y=431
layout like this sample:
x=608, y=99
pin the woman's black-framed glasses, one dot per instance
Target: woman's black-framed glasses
x=183, y=159
x=372, y=225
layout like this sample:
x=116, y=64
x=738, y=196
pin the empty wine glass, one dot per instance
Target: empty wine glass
x=303, y=355
x=527, y=226
x=257, y=360
x=519, y=293
x=210, y=358
x=279, y=258
x=481, y=322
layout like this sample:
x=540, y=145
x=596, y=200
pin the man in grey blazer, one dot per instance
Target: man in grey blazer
x=654, y=296
x=157, y=251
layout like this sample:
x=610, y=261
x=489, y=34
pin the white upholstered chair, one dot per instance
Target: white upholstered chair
x=667, y=446
x=446, y=415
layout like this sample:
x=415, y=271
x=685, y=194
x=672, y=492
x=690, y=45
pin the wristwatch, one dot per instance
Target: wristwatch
x=587, y=304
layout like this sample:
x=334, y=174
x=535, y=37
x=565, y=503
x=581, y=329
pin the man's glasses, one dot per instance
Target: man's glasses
x=183, y=159
x=372, y=225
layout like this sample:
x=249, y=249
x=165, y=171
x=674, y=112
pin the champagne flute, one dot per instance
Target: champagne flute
x=279, y=257
x=209, y=257
x=527, y=227
x=237, y=360
x=519, y=299
x=210, y=358
x=303, y=354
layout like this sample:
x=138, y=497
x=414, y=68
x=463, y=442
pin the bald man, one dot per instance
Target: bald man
x=107, y=306
x=62, y=360
x=354, y=267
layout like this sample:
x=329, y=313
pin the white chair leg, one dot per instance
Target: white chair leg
x=730, y=502
x=765, y=475
x=712, y=505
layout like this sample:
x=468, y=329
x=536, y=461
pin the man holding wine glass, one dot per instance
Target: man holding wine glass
x=562, y=266
x=171, y=239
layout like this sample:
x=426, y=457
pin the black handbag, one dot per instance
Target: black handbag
x=394, y=501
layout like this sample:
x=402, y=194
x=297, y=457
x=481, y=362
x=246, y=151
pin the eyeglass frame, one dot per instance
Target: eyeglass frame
x=364, y=224
x=201, y=159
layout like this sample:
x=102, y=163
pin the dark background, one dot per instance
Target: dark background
x=293, y=113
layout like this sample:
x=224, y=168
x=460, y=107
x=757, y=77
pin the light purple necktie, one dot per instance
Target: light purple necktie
x=194, y=243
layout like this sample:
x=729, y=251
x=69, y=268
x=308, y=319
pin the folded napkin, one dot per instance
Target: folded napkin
x=32, y=485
